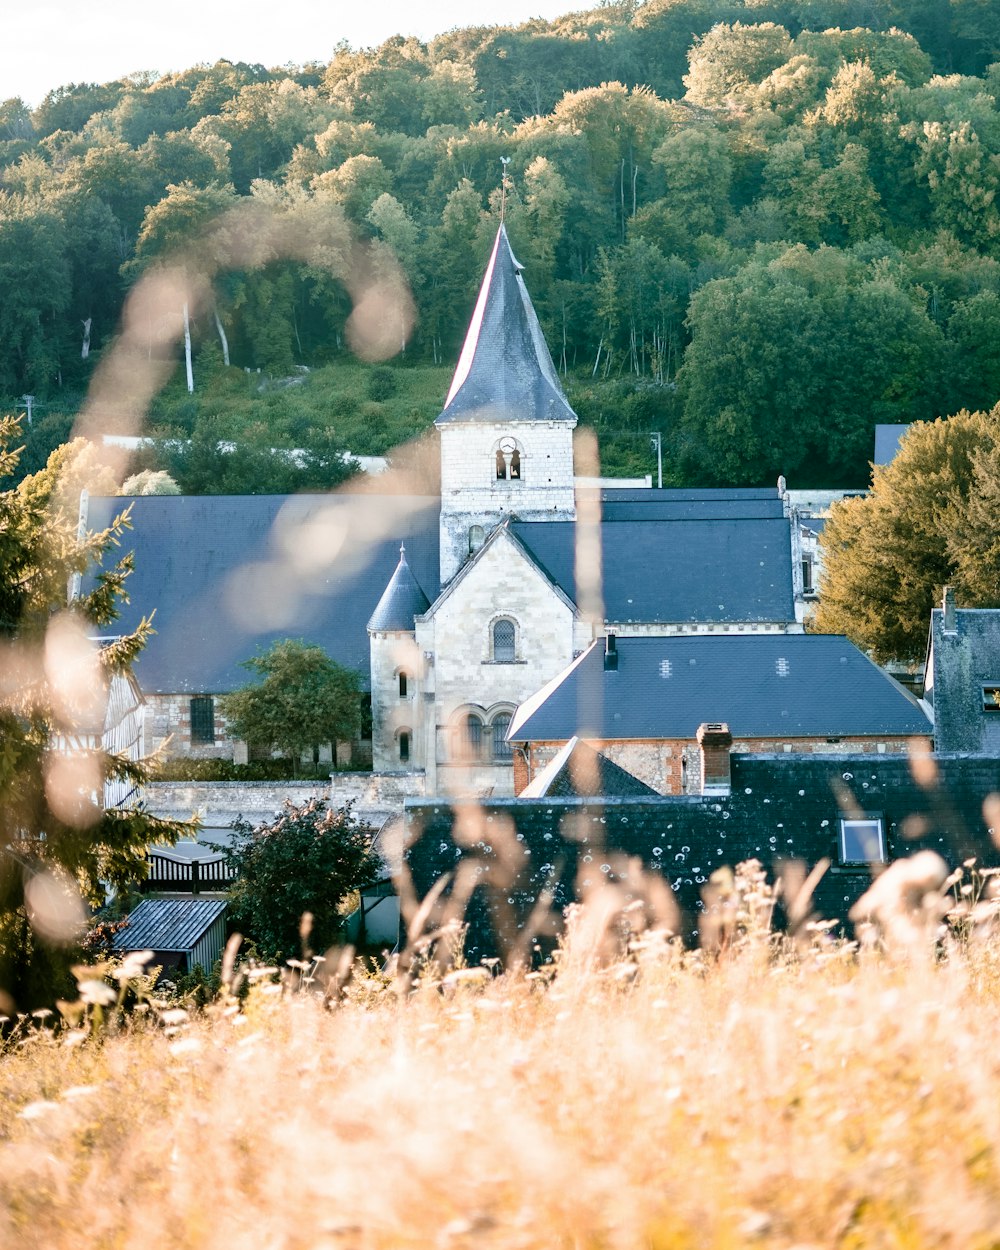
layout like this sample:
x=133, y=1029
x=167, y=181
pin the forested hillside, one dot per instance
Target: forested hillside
x=760, y=228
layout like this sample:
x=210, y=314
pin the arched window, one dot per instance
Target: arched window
x=477, y=536
x=504, y=642
x=403, y=738
x=472, y=737
x=507, y=459
x=501, y=747
x=404, y=683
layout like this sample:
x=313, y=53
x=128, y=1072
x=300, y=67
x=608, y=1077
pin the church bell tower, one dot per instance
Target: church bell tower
x=506, y=427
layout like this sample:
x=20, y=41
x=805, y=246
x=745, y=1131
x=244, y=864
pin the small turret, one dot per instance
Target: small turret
x=396, y=671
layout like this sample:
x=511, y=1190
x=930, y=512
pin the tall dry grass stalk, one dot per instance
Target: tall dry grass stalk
x=820, y=1095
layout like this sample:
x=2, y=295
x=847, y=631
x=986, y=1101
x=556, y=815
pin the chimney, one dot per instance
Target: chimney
x=714, y=742
x=949, y=623
x=611, y=654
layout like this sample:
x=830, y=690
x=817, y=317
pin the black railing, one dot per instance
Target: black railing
x=186, y=876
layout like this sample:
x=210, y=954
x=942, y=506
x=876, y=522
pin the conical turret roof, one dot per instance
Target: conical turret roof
x=401, y=601
x=505, y=372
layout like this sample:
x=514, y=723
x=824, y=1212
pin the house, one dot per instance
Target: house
x=640, y=701
x=962, y=678
x=842, y=815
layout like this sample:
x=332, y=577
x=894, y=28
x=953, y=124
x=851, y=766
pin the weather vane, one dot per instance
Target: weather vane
x=504, y=161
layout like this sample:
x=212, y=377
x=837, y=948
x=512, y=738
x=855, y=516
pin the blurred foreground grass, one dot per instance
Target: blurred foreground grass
x=776, y=1097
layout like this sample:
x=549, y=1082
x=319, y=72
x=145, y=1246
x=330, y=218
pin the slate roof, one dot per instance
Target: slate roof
x=577, y=769
x=228, y=574
x=887, y=442
x=762, y=686
x=682, y=570
x=505, y=371
x=401, y=600
x=169, y=924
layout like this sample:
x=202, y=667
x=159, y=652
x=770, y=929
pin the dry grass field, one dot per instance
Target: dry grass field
x=772, y=1094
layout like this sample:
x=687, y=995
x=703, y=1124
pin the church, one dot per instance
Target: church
x=458, y=610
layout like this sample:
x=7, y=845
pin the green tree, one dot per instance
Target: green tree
x=59, y=847
x=308, y=859
x=928, y=521
x=795, y=359
x=303, y=700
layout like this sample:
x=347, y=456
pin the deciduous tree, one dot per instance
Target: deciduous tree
x=303, y=700
x=930, y=520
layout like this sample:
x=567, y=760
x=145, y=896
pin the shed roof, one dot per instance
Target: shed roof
x=763, y=686
x=505, y=372
x=724, y=569
x=169, y=924
x=229, y=574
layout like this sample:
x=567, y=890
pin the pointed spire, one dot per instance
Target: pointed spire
x=505, y=372
x=401, y=601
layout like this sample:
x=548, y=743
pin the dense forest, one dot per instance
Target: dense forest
x=760, y=228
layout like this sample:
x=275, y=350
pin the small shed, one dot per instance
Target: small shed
x=181, y=932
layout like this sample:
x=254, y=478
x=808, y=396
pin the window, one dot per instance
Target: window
x=808, y=586
x=507, y=459
x=404, y=683
x=862, y=839
x=404, y=746
x=501, y=747
x=991, y=697
x=504, y=642
x=472, y=744
x=477, y=536
x=202, y=720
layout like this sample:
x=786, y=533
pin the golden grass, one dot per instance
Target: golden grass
x=823, y=1099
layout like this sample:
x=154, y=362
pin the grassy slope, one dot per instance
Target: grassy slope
x=820, y=1101
x=371, y=409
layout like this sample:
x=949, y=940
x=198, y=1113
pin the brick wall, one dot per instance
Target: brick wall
x=673, y=766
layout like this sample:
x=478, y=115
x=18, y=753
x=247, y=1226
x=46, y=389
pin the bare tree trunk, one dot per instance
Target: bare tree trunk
x=222, y=335
x=85, y=349
x=187, y=350
x=597, y=362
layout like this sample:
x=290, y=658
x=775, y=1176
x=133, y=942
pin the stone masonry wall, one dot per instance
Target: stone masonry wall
x=471, y=494
x=169, y=716
x=672, y=766
x=375, y=796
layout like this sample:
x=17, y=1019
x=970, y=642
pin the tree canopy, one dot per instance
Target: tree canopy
x=672, y=167
x=930, y=520
x=304, y=699
x=306, y=860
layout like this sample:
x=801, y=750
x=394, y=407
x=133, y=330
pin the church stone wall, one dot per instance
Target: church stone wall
x=471, y=493
x=392, y=713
